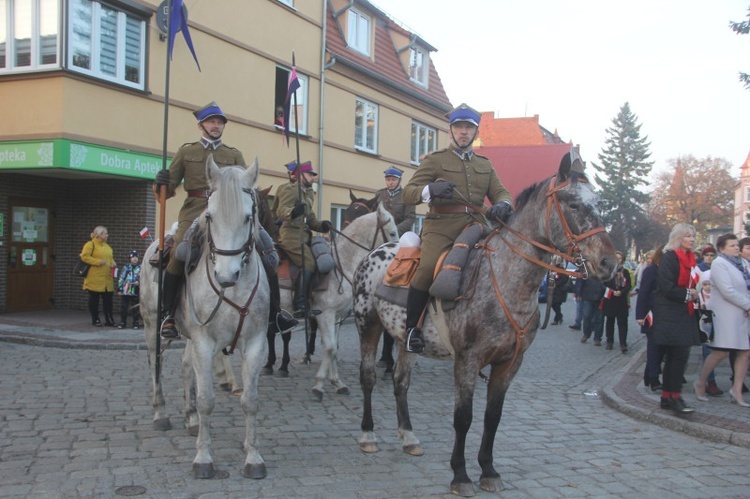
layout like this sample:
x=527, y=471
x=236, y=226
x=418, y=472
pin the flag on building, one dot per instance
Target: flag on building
x=178, y=22
x=144, y=233
x=294, y=85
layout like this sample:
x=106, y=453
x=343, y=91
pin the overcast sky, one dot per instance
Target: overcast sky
x=576, y=62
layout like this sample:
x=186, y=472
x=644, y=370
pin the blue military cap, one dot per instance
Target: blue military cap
x=208, y=111
x=392, y=171
x=291, y=166
x=464, y=113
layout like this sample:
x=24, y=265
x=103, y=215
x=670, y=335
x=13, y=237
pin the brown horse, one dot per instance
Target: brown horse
x=495, y=321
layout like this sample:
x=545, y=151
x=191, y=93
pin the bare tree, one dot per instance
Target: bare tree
x=697, y=191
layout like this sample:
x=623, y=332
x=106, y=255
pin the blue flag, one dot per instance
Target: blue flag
x=293, y=86
x=178, y=22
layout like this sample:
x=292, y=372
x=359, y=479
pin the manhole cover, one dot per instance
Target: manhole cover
x=130, y=490
x=220, y=475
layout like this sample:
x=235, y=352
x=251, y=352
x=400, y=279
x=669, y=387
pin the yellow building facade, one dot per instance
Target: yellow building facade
x=83, y=86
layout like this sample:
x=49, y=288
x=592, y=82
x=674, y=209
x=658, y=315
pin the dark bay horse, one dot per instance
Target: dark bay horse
x=497, y=319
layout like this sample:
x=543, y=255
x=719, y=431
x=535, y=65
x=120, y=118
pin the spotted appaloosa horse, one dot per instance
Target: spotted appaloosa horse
x=224, y=303
x=496, y=321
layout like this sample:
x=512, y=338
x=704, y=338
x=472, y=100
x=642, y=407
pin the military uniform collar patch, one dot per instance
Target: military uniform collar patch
x=210, y=144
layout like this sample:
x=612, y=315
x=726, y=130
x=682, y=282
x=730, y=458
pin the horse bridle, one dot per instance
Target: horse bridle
x=572, y=241
x=245, y=250
x=573, y=255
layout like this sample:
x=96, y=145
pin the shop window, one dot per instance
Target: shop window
x=300, y=110
x=106, y=43
x=29, y=37
x=366, y=126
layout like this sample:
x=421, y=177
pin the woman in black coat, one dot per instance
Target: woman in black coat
x=616, y=304
x=645, y=318
x=675, y=327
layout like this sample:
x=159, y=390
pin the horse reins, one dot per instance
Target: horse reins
x=380, y=228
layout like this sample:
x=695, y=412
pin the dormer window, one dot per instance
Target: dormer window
x=358, y=31
x=418, y=65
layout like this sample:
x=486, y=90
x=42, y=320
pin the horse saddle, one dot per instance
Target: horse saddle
x=448, y=284
x=288, y=274
x=168, y=247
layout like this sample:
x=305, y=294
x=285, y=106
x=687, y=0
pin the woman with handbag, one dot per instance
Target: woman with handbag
x=99, y=280
x=730, y=302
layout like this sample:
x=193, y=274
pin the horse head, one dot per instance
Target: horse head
x=358, y=207
x=230, y=221
x=566, y=213
x=373, y=228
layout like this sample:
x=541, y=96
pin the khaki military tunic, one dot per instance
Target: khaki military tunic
x=403, y=214
x=475, y=180
x=296, y=233
x=189, y=165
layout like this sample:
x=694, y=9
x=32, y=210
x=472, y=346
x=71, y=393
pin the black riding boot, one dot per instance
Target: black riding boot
x=170, y=289
x=415, y=304
x=300, y=297
x=280, y=320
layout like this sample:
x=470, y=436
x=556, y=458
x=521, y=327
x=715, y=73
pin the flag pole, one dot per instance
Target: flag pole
x=163, y=199
x=299, y=195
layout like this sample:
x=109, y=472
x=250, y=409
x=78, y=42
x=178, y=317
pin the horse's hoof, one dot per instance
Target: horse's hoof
x=203, y=470
x=306, y=360
x=237, y=392
x=414, y=450
x=282, y=373
x=369, y=447
x=491, y=484
x=225, y=387
x=318, y=393
x=266, y=371
x=344, y=390
x=463, y=489
x=254, y=471
x=193, y=431
x=162, y=424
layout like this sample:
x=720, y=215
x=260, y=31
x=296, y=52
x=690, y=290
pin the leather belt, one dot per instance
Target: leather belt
x=444, y=209
x=198, y=193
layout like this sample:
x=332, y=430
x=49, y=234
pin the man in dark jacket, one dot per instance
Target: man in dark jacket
x=591, y=292
x=392, y=198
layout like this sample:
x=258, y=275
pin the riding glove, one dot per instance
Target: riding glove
x=298, y=210
x=162, y=178
x=441, y=189
x=325, y=226
x=500, y=212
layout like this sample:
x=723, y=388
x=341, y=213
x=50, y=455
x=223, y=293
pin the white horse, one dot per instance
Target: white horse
x=224, y=304
x=349, y=247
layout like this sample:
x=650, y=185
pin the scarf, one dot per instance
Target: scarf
x=736, y=262
x=688, y=277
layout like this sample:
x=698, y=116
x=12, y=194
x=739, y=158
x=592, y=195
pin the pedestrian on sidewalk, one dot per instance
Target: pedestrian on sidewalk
x=730, y=302
x=675, y=327
x=591, y=292
x=128, y=285
x=644, y=316
x=99, y=282
x=616, y=304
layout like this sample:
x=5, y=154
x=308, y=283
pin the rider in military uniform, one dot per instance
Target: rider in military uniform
x=298, y=222
x=392, y=198
x=448, y=180
x=189, y=165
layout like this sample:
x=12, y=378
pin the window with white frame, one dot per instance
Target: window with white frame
x=106, y=43
x=418, y=223
x=29, y=36
x=337, y=216
x=747, y=194
x=366, y=126
x=358, y=31
x=418, y=65
x=423, y=141
x=298, y=105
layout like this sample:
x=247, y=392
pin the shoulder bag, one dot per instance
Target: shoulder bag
x=81, y=268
